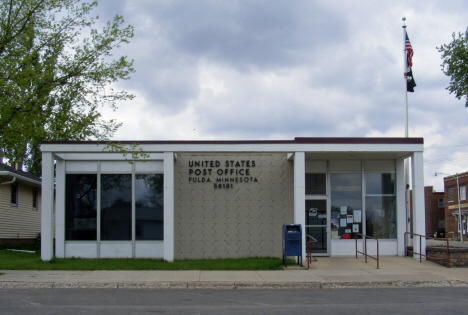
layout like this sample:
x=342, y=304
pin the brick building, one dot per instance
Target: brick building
x=451, y=197
x=435, y=211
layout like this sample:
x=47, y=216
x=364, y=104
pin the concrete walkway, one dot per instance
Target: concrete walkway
x=327, y=273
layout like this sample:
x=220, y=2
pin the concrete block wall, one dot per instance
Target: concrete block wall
x=242, y=219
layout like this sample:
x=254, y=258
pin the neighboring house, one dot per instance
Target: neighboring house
x=452, y=227
x=20, y=206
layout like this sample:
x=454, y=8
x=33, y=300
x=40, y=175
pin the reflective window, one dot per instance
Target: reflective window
x=149, y=210
x=380, y=205
x=380, y=183
x=80, y=207
x=315, y=184
x=116, y=207
x=346, y=205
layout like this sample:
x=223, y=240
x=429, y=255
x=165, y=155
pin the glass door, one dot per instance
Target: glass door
x=316, y=219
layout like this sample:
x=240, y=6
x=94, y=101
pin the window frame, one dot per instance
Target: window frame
x=35, y=199
x=450, y=194
x=462, y=192
x=14, y=193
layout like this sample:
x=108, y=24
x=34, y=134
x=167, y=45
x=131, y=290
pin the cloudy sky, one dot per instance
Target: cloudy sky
x=238, y=70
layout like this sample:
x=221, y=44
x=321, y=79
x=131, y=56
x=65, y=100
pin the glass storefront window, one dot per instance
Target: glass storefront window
x=80, y=207
x=380, y=183
x=315, y=184
x=116, y=207
x=149, y=207
x=380, y=205
x=346, y=205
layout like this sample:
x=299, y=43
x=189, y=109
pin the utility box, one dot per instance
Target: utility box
x=292, y=242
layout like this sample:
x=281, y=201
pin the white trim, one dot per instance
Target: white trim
x=400, y=192
x=299, y=195
x=419, y=221
x=78, y=156
x=169, y=206
x=47, y=207
x=60, y=209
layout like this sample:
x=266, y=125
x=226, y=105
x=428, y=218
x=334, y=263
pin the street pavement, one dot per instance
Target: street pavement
x=326, y=273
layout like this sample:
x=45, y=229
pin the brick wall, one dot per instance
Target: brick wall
x=451, y=227
x=433, y=213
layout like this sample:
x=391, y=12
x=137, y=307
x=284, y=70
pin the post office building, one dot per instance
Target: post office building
x=228, y=199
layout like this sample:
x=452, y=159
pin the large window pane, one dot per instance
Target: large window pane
x=116, y=207
x=315, y=184
x=346, y=205
x=380, y=205
x=381, y=217
x=149, y=210
x=380, y=183
x=80, y=207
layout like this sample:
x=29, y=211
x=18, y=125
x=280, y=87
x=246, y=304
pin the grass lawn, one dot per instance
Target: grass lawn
x=14, y=260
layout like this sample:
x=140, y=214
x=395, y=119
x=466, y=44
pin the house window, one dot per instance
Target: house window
x=440, y=202
x=34, y=199
x=14, y=195
x=450, y=195
x=463, y=193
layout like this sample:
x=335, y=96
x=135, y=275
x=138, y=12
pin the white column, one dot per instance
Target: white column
x=419, y=212
x=299, y=195
x=400, y=205
x=169, y=206
x=60, y=210
x=47, y=207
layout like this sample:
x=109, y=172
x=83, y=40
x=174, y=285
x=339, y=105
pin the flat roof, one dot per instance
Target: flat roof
x=299, y=140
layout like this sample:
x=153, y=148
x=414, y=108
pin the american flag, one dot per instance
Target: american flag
x=409, y=51
x=410, y=83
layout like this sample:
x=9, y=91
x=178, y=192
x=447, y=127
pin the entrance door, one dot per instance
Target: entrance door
x=316, y=219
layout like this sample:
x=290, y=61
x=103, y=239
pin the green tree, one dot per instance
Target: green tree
x=57, y=71
x=455, y=65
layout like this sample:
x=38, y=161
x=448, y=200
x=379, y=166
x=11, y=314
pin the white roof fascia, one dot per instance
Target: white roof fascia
x=59, y=149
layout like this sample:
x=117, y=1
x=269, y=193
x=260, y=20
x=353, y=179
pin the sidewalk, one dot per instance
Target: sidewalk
x=327, y=273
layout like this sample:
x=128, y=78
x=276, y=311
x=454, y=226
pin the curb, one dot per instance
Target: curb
x=230, y=285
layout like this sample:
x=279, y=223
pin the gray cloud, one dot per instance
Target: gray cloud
x=279, y=69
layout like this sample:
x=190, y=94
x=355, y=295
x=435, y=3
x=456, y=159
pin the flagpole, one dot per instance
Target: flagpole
x=407, y=179
x=405, y=69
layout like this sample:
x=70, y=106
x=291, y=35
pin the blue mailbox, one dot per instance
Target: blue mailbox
x=292, y=242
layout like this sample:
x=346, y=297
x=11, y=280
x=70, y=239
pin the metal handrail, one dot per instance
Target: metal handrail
x=420, y=243
x=309, y=256
x=365, y=237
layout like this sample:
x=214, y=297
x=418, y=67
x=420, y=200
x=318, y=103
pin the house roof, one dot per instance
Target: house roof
x=9, y=173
